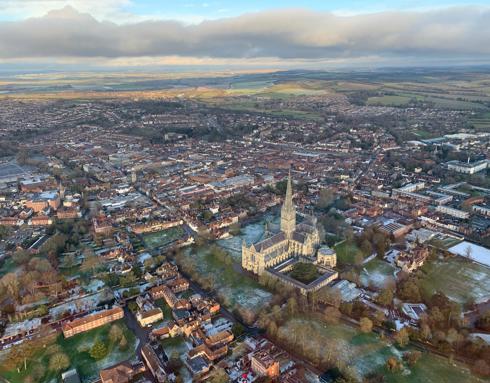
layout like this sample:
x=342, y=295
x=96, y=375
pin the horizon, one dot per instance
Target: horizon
x=68, y=35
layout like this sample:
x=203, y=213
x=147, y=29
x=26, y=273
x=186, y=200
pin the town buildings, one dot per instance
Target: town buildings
x=92, y=321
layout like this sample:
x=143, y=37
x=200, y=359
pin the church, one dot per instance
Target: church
x=293, y=240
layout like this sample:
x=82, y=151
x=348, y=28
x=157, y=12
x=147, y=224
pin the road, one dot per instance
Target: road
x=142, y=334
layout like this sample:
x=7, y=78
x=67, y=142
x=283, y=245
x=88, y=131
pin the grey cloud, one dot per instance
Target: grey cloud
x=288, y=34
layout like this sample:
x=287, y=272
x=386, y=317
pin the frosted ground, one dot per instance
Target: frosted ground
x=366, y=353
x=458, y=278
x=377, y=273
x=232, y=286
x=88, y=302
x=251, y=233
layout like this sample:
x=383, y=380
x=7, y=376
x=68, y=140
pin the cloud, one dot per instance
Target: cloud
x=289, y=34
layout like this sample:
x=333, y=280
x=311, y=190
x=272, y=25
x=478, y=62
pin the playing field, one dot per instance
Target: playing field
x=233, y=287
x=77, y=348
x=163, y=238
x=366, y=353
x=458, y=278
x=347, y=252
x=377, y=273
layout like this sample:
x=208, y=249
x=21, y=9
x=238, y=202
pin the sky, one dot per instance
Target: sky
x=252, y=33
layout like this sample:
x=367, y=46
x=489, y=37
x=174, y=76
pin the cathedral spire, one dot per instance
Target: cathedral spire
x=288, y=201
x=288, y=211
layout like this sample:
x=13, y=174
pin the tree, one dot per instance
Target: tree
x=412, y=357
x=238, y=330
x=332, y=315
x=123, y=343
x=4, y=232
x=292, y=306
x=10, y=282
x=21, y=257
x=484, y=321
x=425, y=331
x=174, y=363
x=392, y=364
x=90, y=262
x=366, y=325
x=115, y=333
x=98, y=351
x=385, y=297
x=272, y=329
x=219, y=375
x=59, y=362
x=481, y=368
x=402, y=337
x=325, y=199
x=366, y=248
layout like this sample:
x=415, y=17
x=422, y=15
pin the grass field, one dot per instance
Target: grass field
x=167, y=311
x=162, y=238
x=347, y=252
x=233, y=287
x=458, y=278
x=7, y=266
x=366, y=353
x=377, y=273
x=481, y=122
x=77, y=348
x=251, y=233
x=389, y=100
x=289, y=113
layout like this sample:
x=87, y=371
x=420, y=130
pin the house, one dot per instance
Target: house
x=154, y=362
x=412, y=260
x=90, y=322
x=178, y=285
x=264, y=364
x=120, y=373
x=148, y=317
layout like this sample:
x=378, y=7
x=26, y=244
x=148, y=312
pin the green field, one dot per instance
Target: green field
x=163, y=238
x=440, y=100
x=8, y=266
x=347, y=252
x=481, y=122
x=167, y=311
x=377, y=273
x=389, y=100
x=458, y=278
x=366, y=353
x=77, y=348
x=233, y=287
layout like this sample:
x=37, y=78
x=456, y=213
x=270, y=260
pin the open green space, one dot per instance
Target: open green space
x=458, y=278
x=8, y=266
x=431, y=369
x=77, y=349
x=163, y=238
x=304, y=272
x=233, y=287
x=481, y=121
x=167, y=311
x=366, y=353
x=347, y=252
x=389, y=100
x=377, y=273
x=251, y=106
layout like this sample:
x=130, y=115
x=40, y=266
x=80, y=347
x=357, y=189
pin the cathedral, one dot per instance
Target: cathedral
x=294, y=240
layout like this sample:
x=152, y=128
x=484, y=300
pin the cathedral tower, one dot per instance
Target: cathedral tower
x=288, y=211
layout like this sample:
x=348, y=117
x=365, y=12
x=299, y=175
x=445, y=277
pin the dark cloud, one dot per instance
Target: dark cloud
x=288, y=34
